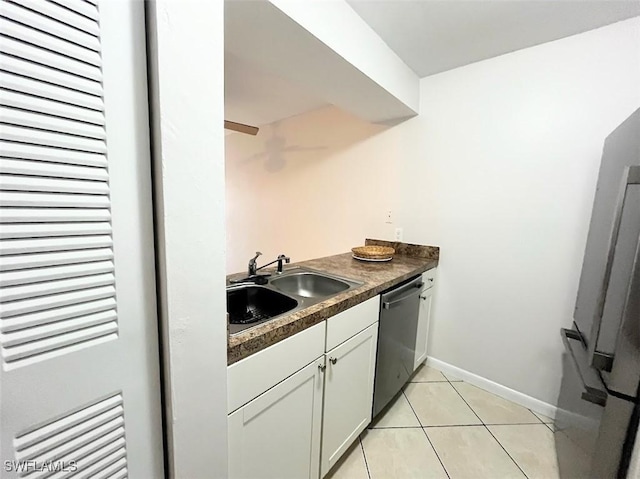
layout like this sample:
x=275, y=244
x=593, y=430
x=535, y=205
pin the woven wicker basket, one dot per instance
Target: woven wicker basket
x=373, y=252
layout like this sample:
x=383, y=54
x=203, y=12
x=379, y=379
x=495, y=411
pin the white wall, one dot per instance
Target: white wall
x=309, y=186
x=504, y=157
x=499, y=170
x=187, y=109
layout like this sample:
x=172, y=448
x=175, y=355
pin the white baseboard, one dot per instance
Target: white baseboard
x=522, y=399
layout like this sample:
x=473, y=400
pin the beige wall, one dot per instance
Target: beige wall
x=499, y=170
x=309, y=186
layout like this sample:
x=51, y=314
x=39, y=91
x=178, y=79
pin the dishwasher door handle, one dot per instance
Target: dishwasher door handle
x=412, y=292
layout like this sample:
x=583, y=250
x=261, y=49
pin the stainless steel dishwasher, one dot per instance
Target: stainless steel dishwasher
x=399, y=309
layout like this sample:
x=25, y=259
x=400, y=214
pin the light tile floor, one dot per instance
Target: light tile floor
x=441, y=427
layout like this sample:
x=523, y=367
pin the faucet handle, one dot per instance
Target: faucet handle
x=258, y=253
x=284, y=258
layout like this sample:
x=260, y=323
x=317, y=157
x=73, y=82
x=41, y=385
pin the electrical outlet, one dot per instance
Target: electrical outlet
x=398, y=236
x=389, y=217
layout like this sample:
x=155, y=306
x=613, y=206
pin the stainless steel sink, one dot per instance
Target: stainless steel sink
x=247, y=304
x=309, y=285
x=250, y=304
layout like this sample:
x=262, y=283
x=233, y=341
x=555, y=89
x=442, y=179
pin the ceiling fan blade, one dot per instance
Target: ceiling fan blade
x=248, y=129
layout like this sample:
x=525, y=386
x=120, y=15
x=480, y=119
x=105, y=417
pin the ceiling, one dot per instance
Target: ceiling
x=255, y=96
x=432, y=36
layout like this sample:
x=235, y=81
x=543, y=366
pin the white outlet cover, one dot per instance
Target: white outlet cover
x=398, y=234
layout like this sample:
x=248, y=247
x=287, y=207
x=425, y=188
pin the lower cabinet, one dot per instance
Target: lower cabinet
x=295, y=407
x=348, y=394
x=277, y=435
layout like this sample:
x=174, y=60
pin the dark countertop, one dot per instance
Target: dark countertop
x=377, y=277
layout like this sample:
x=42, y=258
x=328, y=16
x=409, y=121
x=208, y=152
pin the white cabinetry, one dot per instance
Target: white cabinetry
x=275, y=405
x=277, y=422
x=424, y=317
x=348, y=394
x=352, y=339
x=277, y=435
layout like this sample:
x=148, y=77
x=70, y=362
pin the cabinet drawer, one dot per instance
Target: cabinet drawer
x=252, y=376
x=344, y=325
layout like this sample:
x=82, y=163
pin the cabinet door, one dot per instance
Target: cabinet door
x=422, y=335
x=277, y=435
x=348, y=397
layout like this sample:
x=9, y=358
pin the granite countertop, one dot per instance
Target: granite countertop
x=410, y=260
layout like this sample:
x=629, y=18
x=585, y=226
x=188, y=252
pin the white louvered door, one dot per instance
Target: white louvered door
x=79, y=382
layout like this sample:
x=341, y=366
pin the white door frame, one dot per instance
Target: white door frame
x=186, y=76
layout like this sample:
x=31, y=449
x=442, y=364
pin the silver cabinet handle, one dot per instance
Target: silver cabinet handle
x=423, y=297
x=321, y=367
x=430, y=280
x=333, y=360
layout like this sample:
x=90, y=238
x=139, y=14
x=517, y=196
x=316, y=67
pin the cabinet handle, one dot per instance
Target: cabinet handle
x=423, y=297
x=321, y=367
x=333, y=360
x=430, y=280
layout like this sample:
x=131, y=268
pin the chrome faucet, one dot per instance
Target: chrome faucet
x=252, y=264
x=253, y=270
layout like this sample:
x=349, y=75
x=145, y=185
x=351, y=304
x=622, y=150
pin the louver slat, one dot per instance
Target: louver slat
x=60, y=314
x=53, y=200
x=34, y=305
x=52, y=287
x=107, y=467
x=53, y=43
x=81, y=7
x=53, y=229
x=34, y=54
x=39, y=260
x=57, y=328
x=30, y=350
x=53, y=170
x=34, y=103
x=51, y=123
x=56, y=250
x=93, y=438
x=42, y=153
x=43, y=184
x=38, y=89
x=50, y=75
x=48, y=25
x=53, y=215
x=49, y=138
x=28, y=276
x=62, y=14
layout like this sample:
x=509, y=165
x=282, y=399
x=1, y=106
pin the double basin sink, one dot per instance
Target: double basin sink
x=250, y=304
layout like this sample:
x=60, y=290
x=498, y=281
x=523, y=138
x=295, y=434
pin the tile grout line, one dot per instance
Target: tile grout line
x=507, y=452
x=489, y=431
x=364, y=456
x=469, y=425
x=426, y=435
x=538, y=418
x=422, y=382
x=460, y=425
